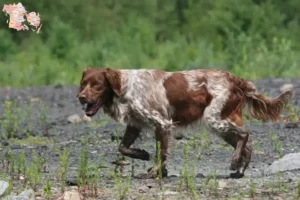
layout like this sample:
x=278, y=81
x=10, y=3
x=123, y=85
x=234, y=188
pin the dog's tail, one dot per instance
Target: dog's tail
x=261, y=107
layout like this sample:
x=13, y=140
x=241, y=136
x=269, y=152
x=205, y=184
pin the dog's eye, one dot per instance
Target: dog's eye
x=98, y=87
x=82, y=85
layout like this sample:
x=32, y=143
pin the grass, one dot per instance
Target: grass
x=276, y=143
x=63, y=167
x=11, y=121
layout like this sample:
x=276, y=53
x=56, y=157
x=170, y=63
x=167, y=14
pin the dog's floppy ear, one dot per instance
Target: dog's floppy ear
x=85, y=70
x=114, y=79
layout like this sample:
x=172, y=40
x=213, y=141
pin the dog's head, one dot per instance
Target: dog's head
x=97, y=87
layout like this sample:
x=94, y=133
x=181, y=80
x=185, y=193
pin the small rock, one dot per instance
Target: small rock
x=5, y=143
x=287, y=86
x=286, y=163
x=289, y=176
x=71, y=195
x=143, y=189
x=26, y=195
x=40, y=198
x=74, y=119
x=35, y=99
x=16, y=146
x=292, y=125
x=71, y=181
x=85, y=118
x=3, y=187
x=179, y=135
x=168, y=193
x=222, y=184
x=199, y=175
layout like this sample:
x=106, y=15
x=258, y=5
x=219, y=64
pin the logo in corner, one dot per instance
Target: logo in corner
x=20, y=19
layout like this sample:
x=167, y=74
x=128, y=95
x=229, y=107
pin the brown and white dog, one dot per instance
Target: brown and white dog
x=164, y=101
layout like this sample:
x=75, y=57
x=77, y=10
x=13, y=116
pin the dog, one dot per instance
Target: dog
x=165, y=101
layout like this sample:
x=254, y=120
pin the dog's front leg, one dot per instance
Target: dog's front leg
x=131, y=134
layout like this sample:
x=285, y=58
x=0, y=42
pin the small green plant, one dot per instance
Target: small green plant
x=92, y=179
x=63, y=167
x=189, y=178
x=121, y=187
x=276, y=142
x=11, y=161
x=43, y=115
x=82, y=170
x=93, y=175
x=280, y=183
x=211, y=184
x=252, y=189
x=10, y=186
x=27, y=111
x=180, y=181
x=47, y=192
x=204, y=141
x=33, y=171
x=12, y=120
x=21, y=163
x=294, y=113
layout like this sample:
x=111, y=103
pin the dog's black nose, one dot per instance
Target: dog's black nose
x=82, y=98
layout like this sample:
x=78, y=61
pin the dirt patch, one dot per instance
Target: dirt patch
x=198, y=163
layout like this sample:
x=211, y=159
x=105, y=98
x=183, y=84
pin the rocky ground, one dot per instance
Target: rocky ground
x=45, y=122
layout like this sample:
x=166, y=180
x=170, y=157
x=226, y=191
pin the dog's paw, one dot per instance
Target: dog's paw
x=236, y=164
x=236, y=175
x=143, y=155
x=155, y=170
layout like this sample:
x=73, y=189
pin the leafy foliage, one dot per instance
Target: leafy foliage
x=255, y=39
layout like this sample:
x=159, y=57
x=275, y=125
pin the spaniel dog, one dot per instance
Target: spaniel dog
x=164, y=101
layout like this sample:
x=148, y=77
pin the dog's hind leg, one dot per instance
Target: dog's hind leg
x=242, y=153
x=131, y=134
x=232, y=139
x=231, y=132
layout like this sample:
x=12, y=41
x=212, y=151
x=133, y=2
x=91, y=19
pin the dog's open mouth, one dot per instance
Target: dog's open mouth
x=91, y=108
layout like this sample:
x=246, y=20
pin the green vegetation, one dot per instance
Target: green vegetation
x=253, y=39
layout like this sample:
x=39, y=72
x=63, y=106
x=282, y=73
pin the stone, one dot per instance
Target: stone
x=25, y=195
x=143, y=189
x=200, y=175
x=28, y=193
x=286, y=163
x=74, y=119
x=71, y=195
x=292, y=125
x=222, y=184
x=85, y=118
x=168, y=193
x=71, y=181
x=3, y=187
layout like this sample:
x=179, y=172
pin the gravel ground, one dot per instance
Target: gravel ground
x=209, y=155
